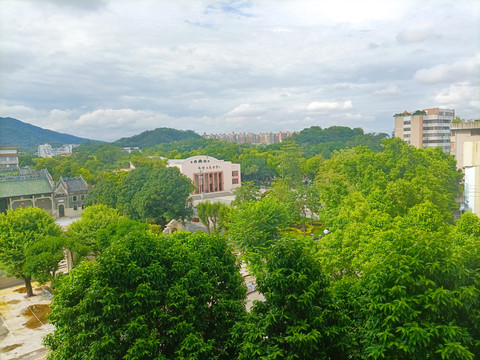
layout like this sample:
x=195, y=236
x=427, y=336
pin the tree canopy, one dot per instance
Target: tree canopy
x=153, y=194
x=24, y=237
x=148, y=297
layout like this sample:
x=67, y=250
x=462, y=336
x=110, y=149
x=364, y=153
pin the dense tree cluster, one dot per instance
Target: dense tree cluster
x=258, y=163
x=357, y=254
x=150, y=297
x=155, y=194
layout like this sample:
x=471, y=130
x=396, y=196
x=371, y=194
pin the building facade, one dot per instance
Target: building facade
x=70, y=194
x=425, y=128
x=8, y=157
x=36, y=188
x=252, y=138
x=209, y=174
x=47, y=151
x=461, y=133
x=466, y=150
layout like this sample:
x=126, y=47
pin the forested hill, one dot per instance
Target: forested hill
x=316, y=140
x=27, y=137
x=151, y=138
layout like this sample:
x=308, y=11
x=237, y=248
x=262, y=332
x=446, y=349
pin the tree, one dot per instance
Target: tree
x=149, y=297
x=83, y=234
x=290, y=163
x=296, y=320
x=210, y=214
x=163, y=197
x=247, y=192
x=253, y=226
x=43, y=257
x=108, y=154
x=418, y=298
x=151, y=193
x=20, y=230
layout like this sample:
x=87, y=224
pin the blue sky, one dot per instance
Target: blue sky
x=109, y=69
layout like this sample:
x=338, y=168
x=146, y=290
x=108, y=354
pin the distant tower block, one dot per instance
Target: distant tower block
x=425, y=128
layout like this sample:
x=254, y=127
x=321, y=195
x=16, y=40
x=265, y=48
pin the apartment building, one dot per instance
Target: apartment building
x=425, y=128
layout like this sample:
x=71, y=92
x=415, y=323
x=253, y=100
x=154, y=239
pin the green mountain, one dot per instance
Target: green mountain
x=27, y=137
x=151, y=138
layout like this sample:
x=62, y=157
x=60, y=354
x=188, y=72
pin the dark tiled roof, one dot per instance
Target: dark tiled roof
x=75, y=184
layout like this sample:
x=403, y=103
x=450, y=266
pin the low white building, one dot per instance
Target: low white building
x=209, y=174
x=47, y=151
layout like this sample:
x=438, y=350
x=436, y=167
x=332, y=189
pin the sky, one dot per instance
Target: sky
x=106, y=69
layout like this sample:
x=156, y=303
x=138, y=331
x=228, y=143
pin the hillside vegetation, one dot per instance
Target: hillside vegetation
x=27, y=137
x=151, y=138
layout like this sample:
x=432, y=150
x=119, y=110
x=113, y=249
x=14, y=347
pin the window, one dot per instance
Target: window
x=75, y=198
x=235, y=181
x=235, y=173
x=75, y=207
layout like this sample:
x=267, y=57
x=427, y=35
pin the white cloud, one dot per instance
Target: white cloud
x=318, y=106
x=458, y=96
x=465, y=69
x=388, y=91
x=411, y=36
x=122, y=67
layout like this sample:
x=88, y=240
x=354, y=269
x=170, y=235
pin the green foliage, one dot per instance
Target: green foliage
x=255, y=225
x=150, y=297
x=150, y=138
x=392, y=181
x=247, y=192
x=163, y=197
x=20, y=231
x=212, y=214
x=152, y=194
x=417, y=293
x=82, y=235
x=43, y=257
x=324, y=142
x=289, y=160
x=296, y=320
x=27, y=137
x=26, y=160
x=255, y=165
x=108, y=154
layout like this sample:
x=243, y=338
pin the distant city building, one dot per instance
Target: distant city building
x=130, y=149
x=47, y=151
x=425, y=128
x=36, y=188
x=251, y=138
x=8, y=157
x=209, y=174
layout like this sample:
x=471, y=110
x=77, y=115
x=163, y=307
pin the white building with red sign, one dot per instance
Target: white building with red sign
x=209, y=174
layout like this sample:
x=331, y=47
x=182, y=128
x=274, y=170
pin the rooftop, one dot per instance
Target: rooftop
x=75, y=184
x=15, y=187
